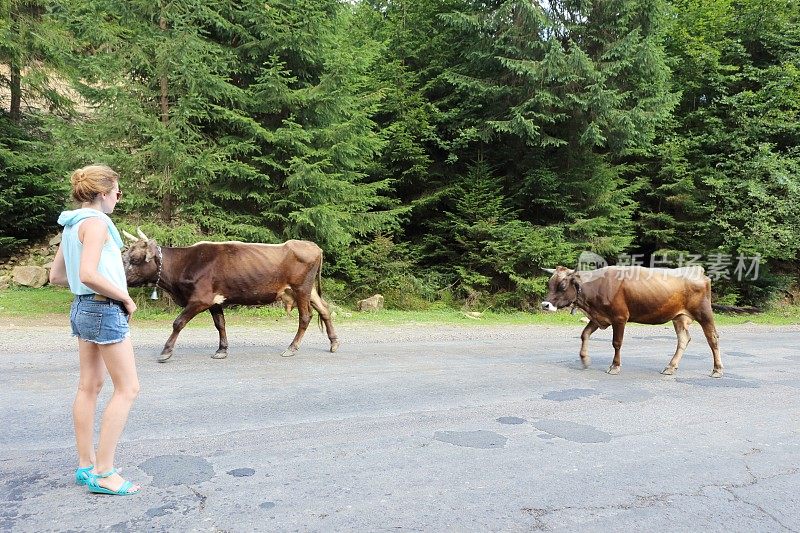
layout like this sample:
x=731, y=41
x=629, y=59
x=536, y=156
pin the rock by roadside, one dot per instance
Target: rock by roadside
x=30, y=266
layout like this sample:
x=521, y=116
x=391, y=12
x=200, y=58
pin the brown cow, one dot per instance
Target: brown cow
x=211, y=275
x=613, y=296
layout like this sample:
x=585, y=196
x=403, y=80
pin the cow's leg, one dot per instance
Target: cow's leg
x=590, y=328
x=619, y=332
x=681, y=323
x=189, y=312
x=324, y=312
x=710, y=331
x=219, y=323
x=304, y=309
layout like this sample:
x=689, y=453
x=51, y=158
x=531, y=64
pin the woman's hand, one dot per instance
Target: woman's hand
x=130, y=306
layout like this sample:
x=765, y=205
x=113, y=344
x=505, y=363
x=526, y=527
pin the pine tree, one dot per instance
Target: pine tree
x=30, y=193
x=725, y=179
x=564, y=94
x=319, y=100
x=485, y=245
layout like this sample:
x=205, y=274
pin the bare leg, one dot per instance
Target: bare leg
x=304, y=309
x=619, y=332
x=191, y=311
x=119, y=361
x=681, y=323
x=590, y=328
x=93, y=373
x=219, y=323
x=324, y=312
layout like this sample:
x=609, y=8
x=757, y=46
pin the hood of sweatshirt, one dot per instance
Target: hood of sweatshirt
x=70, y=218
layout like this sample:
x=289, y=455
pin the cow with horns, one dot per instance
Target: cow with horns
x=613, y=296
x=211, y=275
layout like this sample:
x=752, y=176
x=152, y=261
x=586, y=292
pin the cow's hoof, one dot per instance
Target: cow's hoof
x=586, y=361
x=716, y=373
x=334, y=346
x=613, y=370
x=220, y=355
x=669, y=371
x=164, y=357
x=288, y=353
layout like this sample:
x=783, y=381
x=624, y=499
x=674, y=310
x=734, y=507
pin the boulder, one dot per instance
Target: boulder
x=373, y=303
x=30, y=276
x=4, y=281
x=55, y=241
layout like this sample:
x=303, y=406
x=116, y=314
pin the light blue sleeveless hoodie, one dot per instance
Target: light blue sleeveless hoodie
x=110, y=265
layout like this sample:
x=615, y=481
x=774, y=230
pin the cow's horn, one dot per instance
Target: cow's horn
x=549, y=270
x=141, y=233
x=129, y=236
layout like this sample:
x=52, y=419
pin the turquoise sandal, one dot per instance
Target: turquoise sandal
x=124, y=490
x=82, y=474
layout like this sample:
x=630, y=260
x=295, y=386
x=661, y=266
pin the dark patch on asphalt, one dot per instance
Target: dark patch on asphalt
x=267, y=505
x=739, y=354
x=569, y=394
x=511, y=420
x=161, y=511
x=572, y=432
x=168, y=470
x=546, y=436
x=472, y=439
x=16, y=488
x=721, y=383
x=241, y=472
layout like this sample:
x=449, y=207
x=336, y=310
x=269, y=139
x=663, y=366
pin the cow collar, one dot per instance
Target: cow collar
x=160, y=262
x=578, y=294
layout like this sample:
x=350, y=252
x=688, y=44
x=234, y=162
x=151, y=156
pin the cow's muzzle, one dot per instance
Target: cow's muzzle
x=547, y=306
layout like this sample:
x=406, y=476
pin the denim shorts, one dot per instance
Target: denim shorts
x=100, y=322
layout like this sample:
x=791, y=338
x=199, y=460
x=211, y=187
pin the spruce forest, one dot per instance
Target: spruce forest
x=437, y=150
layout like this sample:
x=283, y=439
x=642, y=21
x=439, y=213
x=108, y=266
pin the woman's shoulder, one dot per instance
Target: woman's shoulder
x=94, y=224
x=93, y=229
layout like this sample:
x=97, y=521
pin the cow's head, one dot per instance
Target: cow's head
x=141, y=260
x=563, y=288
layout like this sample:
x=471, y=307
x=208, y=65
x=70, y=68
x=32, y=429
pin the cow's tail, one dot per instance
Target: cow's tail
x=319, y=289
x=734, y=309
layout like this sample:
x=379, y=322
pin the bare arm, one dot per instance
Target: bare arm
x=58, y=272
x=93, y=233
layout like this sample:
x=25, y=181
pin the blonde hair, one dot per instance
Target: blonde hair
x=88, y=182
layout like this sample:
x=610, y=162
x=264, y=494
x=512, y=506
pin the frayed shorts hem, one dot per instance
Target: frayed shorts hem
x=103, y=342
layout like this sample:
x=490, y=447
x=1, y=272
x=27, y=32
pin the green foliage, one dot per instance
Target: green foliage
x=725, y=176
x=31, y=192
x=440, y=151
x=486, y=247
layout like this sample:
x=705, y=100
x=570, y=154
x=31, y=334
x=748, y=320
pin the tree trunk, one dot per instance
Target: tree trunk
x=166, y=202
x=15, y=111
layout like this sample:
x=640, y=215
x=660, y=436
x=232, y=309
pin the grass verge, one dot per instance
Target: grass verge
x=25, y=303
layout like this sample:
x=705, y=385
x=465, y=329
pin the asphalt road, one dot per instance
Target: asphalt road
x=417, y=428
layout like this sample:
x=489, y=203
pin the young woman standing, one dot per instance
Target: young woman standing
x=89, y=262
